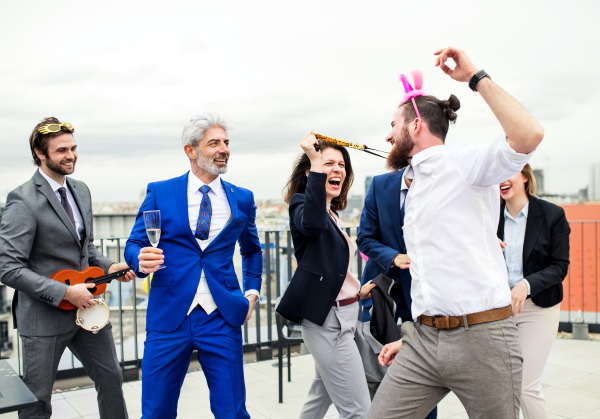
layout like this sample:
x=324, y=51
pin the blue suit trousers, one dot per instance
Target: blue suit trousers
x=167, y=358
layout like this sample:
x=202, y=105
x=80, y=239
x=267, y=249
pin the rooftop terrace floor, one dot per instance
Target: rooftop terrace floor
x=571, y=388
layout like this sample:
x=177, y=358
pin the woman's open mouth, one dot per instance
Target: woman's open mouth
x=505, y=188
x=335, y=182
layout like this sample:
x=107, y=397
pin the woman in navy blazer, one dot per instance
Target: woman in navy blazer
x=323, y=293
x=535, y=238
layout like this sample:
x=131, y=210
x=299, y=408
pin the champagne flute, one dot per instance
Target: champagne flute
x=152, y=223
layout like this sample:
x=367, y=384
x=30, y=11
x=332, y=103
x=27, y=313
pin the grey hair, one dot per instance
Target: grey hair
x=195, y=130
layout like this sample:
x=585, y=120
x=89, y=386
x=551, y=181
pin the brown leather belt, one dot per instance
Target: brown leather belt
x=346, y=302
x=466, y=320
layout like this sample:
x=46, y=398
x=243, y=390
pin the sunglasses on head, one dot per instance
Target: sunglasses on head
x=48, y=128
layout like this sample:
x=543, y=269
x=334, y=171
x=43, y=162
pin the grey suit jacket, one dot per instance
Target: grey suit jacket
x=36, y=240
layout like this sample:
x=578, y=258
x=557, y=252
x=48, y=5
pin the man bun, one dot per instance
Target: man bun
x=450, y=107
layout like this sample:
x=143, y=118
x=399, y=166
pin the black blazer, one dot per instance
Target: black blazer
x=545, y=250
x=321, y=251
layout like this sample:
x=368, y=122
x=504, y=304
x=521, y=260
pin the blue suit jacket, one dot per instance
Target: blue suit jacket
x=174, y=287
x=380, y=232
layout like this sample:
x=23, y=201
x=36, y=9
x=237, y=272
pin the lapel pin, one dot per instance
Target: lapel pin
x=231, y=189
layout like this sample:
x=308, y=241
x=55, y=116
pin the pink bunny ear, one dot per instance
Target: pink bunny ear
x=417, y=76
x=409, y=92
x=407, y=86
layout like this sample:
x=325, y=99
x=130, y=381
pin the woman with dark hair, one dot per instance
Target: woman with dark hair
x=535, y=239
x=323, y=294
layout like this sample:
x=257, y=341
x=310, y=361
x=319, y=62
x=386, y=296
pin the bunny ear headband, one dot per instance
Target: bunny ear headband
x=409, y=92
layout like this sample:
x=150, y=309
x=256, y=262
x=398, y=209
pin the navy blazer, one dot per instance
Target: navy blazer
x=174, y=287
x=380, y=232
x=322, y=253
x=545, y=250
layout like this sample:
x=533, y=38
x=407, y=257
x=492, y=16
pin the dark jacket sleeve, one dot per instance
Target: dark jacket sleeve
x=369, y=239
x=308, y=213
x=558, y=256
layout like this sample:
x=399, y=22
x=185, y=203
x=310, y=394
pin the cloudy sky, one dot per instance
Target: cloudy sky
x=129, y=75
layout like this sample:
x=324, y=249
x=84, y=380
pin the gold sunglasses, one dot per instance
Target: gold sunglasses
x=48, y=128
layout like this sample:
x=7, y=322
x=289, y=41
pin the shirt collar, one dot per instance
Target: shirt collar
x=53, y=184
x=524, y=211
x=215, y=186
x=404, y=186
x=421, y=156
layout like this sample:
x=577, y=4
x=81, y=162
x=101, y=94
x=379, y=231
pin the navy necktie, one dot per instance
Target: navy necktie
x=65, y=204
x=203, y=224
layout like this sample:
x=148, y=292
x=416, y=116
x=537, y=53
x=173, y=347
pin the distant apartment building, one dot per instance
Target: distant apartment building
x=594, y=182
x=368, y=181
x=539, y=180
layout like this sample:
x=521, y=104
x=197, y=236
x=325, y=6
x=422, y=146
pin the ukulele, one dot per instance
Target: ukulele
x=87, y=276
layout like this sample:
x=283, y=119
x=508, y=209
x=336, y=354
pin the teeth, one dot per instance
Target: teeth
x=505, y=187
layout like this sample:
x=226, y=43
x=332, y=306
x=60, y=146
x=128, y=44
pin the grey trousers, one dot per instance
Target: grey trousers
x=97, y=353
x=483, y=366
x=340, y=376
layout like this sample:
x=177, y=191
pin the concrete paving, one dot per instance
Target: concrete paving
x=571, y=388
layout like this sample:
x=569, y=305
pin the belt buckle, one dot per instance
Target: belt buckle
x=433, y=318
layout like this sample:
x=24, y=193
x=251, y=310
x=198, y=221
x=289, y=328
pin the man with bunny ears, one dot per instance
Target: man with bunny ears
x=464, y=337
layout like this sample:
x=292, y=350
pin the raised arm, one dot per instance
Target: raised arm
x=523, y=131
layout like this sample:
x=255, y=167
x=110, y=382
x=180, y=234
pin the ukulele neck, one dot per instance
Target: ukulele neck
x=110, y=277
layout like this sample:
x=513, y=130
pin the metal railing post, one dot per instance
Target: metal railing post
x=277, y=266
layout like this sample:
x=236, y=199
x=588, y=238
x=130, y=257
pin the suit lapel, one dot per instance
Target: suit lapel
x=535, y=220
x=81, y=202
x=46, y=190
x=393, y=192
x=500, y=233
x=180, y=185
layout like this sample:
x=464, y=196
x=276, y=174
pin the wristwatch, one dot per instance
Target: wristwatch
x=476, y=78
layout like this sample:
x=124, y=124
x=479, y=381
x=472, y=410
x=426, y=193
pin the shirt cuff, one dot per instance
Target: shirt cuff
x=513, y=155
x=252, y=292
x=528, y=286
x=141, y=270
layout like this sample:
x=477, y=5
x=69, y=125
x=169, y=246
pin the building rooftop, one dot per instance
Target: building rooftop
x=571, y=388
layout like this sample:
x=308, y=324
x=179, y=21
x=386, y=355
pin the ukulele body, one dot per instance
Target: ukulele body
x=70, y=277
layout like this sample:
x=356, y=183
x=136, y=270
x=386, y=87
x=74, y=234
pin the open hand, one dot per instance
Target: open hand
x=389, y=352
x=464, y=69
x=402, y=261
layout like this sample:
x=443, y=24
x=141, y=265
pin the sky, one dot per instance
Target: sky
x=129, y=75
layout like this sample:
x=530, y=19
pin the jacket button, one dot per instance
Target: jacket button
x=82, y=257
x=202, y=256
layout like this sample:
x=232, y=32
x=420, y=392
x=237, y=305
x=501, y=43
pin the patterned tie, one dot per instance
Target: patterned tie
x=65, y=203
x=203, y=224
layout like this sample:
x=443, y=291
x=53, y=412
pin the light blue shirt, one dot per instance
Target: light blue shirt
x=514, y=237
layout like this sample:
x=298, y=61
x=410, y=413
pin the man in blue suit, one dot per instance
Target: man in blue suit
x=380, y=238
x=195, y=301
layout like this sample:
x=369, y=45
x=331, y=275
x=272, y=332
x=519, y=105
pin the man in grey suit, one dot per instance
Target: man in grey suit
x=47, y=227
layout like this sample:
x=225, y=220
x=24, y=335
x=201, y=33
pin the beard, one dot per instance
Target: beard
x=398, y=157
x=209, y=164
x=57, y=168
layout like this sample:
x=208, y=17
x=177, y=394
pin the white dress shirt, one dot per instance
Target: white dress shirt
x=76, y=214
x=451, y=220
x=221, y=215
x=514, y=237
